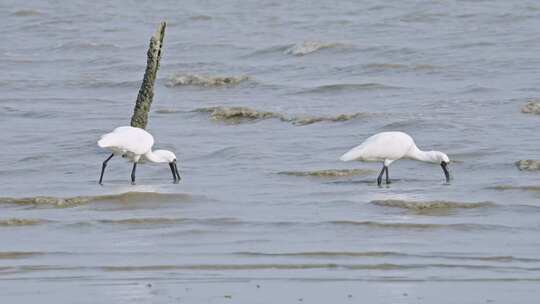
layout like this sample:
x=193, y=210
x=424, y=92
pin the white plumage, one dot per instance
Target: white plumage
x=135, y=144
x=387, y=147
x=128, y=141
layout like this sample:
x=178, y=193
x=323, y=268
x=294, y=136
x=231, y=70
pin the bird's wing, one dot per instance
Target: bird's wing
x=129, y=139
x=381, y=146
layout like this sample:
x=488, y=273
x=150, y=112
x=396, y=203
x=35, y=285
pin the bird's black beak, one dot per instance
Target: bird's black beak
x=174, y=171
x=444, y=166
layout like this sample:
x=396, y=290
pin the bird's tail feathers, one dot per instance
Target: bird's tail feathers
x=106, y=141
x=351, y=155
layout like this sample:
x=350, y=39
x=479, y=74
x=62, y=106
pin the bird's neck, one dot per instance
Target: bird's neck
x=152, y=157
x=424, y=156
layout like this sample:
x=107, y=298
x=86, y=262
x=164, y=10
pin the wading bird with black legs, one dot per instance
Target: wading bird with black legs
x=135, y=144
x=387, y=147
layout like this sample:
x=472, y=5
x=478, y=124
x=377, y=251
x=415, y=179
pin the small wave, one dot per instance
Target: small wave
x=323, y=254
x=392, y=225
x=397, y=66
x=80, y=200
x=299, y=266
x=348, y=87
x=418, y=226
x=303, y=121
x=27, y=114
x=386, y=66
x=34, y=157
x=476, y=89
x=528, y=165
x=268, y=50
x=416, y=123
x=422, y=17
x=78, y=45
x=204, y=80
x=8, y=255
x=430, y=206
x=200, y=18
x=46, y=200
x=168, y=111
x=510, y=187
x=27, y=13
x=475, y=44
x=308, y=47
x=383, y=254
x=142, y=221
x=20, y=222
x=220, y=221
x=92, y=83
x=532, y=107
x=290, y=266
x=505, y=258
x=272, y=266
x=329, y=173
x=237, y=115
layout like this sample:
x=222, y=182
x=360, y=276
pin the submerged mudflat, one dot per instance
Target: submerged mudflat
x=259, y=100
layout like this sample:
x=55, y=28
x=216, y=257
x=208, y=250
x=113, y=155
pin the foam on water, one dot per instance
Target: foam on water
x=528, y=164
x=237, y=115
x=427, y=206
x=532, y=107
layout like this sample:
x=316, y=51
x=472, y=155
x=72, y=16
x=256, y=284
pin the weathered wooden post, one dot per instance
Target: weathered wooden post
x=146, y=92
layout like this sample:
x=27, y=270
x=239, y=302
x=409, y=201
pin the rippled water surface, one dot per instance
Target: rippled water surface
x=259, y=100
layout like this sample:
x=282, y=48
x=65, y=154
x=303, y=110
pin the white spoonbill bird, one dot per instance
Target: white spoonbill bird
x=388, y=147
x=135, y=144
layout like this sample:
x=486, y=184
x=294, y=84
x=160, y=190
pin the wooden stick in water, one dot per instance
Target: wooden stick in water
x=146, y=92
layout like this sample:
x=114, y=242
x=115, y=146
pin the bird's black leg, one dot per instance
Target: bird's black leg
x=103, y=168
x=379, y=179
x=133, y=173
x=387, y=178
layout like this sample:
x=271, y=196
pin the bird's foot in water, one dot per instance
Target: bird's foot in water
x=133, y=183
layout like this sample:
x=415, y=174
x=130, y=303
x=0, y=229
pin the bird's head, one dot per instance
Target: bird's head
x=169, y=157
x=441, y=157
x=443, y=160
x=164, y=156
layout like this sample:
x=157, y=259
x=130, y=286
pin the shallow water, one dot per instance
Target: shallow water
x=265, y=211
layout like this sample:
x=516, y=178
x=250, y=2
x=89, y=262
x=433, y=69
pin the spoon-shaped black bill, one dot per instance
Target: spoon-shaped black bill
x=174, y=171
x=444, y=166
